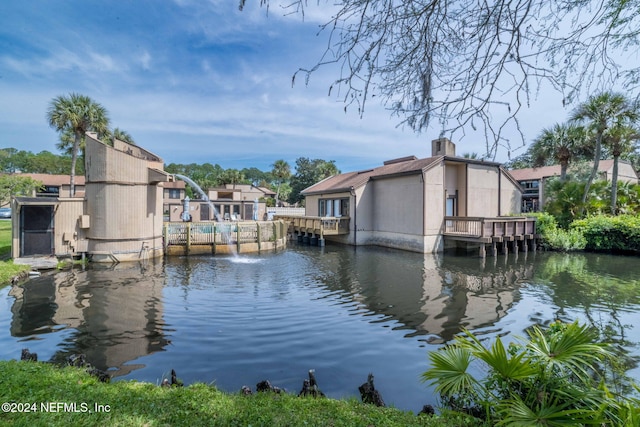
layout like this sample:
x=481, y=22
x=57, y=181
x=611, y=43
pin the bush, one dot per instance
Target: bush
x=610, y=234
x=555, y=238
x=551, y=378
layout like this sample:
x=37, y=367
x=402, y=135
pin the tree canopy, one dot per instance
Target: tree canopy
x=465, y=65
x=74, y=115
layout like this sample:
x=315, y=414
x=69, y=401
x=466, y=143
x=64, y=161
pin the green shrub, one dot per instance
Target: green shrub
x=551, y=378
x=555, y=238
x=610, y=234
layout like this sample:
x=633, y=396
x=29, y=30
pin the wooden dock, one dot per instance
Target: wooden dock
x=517, y=232
x=312, y=229
x=210, y=237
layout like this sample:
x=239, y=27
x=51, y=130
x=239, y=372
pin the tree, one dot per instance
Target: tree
x=14, y=185
x=561, y=143
x=77, y=114
x=599, y=113
x=468, y=65
x=231, y=176
x=620, y=139
x=309, y=172
x=281, y=171
x=121, y=135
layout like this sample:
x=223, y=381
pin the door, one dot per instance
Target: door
x=204, y=212
x=36, y=225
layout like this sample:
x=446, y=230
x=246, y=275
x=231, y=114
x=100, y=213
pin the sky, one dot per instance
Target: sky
x=198, y=81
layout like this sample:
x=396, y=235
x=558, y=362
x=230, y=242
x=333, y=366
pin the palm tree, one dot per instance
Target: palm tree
x=620, y=140
x=122, y=135
x=282, y=172
x=231, y=176
x=551, y=378
x=76, y=114
x=559, y=143
x=600, y=112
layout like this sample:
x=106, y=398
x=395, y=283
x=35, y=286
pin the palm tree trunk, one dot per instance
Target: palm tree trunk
x=594, y=172
x=614, y=185
x=563, y=171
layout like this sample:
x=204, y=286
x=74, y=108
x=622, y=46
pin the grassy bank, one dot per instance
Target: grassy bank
x=130, y=403
x=8, y=269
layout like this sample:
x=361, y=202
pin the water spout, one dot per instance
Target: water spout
x=202, y=193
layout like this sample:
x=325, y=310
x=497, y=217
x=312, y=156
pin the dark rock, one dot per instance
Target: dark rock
x=26, y=355
x=369, y=394
x=245, y=390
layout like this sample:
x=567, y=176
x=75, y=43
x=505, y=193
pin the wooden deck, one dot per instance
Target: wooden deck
x=183, y=238
x=315, y=227
x=520, y=231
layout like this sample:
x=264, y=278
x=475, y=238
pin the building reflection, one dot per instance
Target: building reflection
x=430, y=294
x=113, y=315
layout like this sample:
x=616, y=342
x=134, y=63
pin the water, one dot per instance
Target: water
x=341, y=311
x=204, y=196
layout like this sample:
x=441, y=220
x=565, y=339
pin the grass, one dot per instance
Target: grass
x=8, y=270
x=132, y=403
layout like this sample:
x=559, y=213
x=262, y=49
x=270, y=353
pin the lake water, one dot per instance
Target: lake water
x=344, y=312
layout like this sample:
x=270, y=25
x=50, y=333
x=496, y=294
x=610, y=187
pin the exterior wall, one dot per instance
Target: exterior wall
x=434, y=200
x=510, y=196
x=68, y=234
x=125, y=210
x=214, y=194
x=311, y=204
x=483, y=190
x=69, y=238
x=398, y=206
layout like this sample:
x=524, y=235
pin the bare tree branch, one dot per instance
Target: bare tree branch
x=474, y=64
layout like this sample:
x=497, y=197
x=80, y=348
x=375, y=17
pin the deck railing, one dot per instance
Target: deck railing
x=481, y=227
x=324, y=225
x=189, y=234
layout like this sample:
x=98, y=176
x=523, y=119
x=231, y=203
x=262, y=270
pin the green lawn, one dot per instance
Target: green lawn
x=130, y=403
x=8, y=269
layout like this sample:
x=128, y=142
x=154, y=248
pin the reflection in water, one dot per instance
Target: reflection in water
x=340, y=310
x=428, y=294
x=115, y=314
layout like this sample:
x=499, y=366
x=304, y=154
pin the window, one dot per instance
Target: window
x=333, y=207
x=48, y=191
x=174, y=193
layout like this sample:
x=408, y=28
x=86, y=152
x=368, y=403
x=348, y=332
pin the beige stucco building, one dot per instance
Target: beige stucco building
x=119, y=217
x=403, y=203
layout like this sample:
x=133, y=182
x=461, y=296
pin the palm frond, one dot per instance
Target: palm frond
x=449, y=371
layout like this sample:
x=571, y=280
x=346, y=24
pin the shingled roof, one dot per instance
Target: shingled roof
x=346, y=181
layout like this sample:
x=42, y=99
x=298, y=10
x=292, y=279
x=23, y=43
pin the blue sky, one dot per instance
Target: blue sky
x=199, y=81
